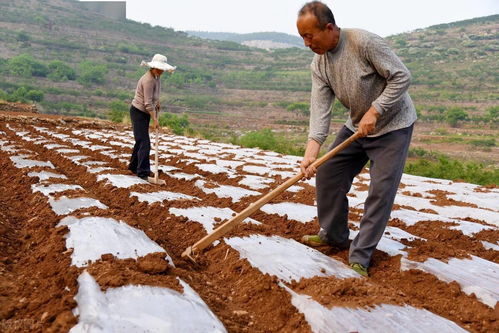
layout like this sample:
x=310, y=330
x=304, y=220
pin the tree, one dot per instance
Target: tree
x=26, y=66
x=177, y=124
x=22, y=36
x=60, y=71
x=493, y=113
x=90, y=73
x=455, y=114
x=35, y=95
x=118, y=111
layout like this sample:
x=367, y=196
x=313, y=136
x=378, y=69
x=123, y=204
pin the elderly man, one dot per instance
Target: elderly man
x=361, y=70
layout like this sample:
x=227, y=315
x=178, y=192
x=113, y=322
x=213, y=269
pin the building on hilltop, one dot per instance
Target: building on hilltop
x=115, y=10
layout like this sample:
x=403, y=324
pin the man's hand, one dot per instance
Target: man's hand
x=306, y=168
x=311, y=153
x=368, y=122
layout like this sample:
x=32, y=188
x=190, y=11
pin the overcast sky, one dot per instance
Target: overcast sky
x=383, y=17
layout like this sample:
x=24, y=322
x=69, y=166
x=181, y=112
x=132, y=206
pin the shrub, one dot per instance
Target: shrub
x=455, y=114
x=118, y=110
x=60, y=71
x=24, y=95
x=493, y=113
x=178, y=125
x=90, y=73
x=22, y=36
x=483, y=143
x=35, y=95
x=302, y=107
x=454, y=170
x=26, y=66
x=263, y=139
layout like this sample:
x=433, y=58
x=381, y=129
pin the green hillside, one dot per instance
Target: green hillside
x=72, y=61
x=104, y=56
x=277, y=37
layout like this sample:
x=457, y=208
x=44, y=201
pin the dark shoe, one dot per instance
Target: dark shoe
x=144, y=177
x=359, y=269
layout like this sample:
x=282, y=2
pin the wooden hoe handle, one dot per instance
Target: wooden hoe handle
x=227, y=226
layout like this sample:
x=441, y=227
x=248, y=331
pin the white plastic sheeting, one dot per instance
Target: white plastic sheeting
x=489, y=200
x=411, y=217
x=228, y=163
x=259, y=170
x=475, y=276
x=387, y=245
x=65, y=205
x=226, y=191
x=382, y=318
x=44, y=175
x=91, y=237
x=455, y=212
x=294, y=211
x=216, y=169
x=93, y=163
x=55, y=146
x=160, y=196
x=185, y=176
x=287, y=259
x=256, y=182
x=122, y=181
x=141, y=309
x=98, y=169
x=54, y=188
x=167, y=168
x=67, y=151
x=22, y=162
x=207, y=215
x=490, y=246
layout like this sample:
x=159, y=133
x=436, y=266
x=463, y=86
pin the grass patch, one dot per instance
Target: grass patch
x=447, y=168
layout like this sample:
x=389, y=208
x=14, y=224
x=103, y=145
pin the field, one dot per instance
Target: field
x=86, y=246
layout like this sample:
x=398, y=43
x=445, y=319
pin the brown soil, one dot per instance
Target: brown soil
x=38, y=283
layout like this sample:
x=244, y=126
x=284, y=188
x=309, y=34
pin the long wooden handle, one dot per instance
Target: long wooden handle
x=156, y=146
x=227, y=226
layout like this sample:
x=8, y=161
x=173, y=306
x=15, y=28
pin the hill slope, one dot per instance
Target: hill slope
x=279, y=39
x=80, y=63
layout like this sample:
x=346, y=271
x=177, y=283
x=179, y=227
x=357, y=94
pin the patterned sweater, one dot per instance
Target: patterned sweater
x=360, y=71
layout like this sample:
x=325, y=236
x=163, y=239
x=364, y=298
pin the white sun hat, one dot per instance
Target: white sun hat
x=159, y=62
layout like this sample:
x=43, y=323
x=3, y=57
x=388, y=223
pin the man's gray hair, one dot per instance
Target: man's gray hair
x=320, y=10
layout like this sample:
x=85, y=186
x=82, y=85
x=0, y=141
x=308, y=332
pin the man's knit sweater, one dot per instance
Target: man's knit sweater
x=360, y=71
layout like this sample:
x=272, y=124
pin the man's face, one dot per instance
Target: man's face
x=319, y=41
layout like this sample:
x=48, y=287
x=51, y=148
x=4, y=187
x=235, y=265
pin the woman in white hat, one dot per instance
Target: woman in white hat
x=144, y=105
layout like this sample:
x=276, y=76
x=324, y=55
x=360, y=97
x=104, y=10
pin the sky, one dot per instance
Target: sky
x=383, y=17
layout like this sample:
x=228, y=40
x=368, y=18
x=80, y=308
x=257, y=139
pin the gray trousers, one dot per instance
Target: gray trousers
x=387, y=154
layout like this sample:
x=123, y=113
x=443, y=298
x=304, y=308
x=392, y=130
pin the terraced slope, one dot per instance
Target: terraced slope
x=86, y=245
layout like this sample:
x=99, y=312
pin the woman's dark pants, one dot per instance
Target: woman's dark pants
x=140, y=163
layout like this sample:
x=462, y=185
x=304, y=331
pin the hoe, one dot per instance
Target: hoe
x=155, y=179
x=227, y=226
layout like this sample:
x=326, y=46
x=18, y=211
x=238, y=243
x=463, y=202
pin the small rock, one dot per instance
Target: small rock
x=107, y=257
x=152, y=264
x=240, y=312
